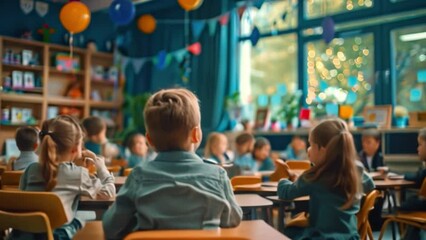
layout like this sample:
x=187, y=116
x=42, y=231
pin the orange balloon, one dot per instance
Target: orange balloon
x=147, y=23
x=75, y=17
x=189, y=5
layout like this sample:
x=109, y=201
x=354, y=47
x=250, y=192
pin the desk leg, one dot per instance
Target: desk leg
x=281, y=217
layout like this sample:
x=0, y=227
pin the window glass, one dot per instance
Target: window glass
x=409, y=46
x=321, y=8
x=268, y=69
x=340, y=73
x=272, y=16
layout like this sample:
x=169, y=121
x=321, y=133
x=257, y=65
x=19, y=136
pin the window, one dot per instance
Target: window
x=321, y=8
x=409, y=46
x=341, y=72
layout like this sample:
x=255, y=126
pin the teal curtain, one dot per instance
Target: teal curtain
x=214, y=72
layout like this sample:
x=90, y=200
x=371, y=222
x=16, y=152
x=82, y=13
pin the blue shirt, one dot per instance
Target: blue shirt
x=134, y=160
x=326, y=219
x=245, y=162
x=25, y=159
x=174, y=191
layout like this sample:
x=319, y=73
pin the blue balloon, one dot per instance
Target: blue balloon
x=328, y=29
x=122, y=12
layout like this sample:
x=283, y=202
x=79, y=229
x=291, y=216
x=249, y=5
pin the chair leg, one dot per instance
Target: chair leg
x=385, y=224
x=369, y=232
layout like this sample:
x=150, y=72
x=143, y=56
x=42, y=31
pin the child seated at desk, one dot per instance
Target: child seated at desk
x=27, y=142
x=261, y=155
x=333, y=184
x=138, y=149
x=244, y=147
x=97, y=141
x=176, y=190
x=61, y=145
x=216, y=148
x=370, y=155
x=296, y=150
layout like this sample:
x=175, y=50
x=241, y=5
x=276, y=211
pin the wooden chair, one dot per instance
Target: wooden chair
x=245, y=182
x=364, y=227
x=281, y=171
x=127, y=171
x=299, y=164
x=10, y=180
x=413, y=218
x=36, y=212
x=114, y=169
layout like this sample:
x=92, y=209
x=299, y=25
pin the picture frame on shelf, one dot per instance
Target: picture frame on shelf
x=17, y=79
x=380, y=116
x=262, y=118
x=29, y=81
x=27, y=56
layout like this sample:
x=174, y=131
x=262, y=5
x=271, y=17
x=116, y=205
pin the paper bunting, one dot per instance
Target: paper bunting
x=328, y=29
x=224, y=19
x=195, y=48
x=161, y=60
x=421, y=76
x=352, y=81
x=254, y=37
x=180, y=54
x=351, y=98
x=258, y=3
x=323, y=86
x=124, y=62
x=415, y=94
x=262, y=100
x=197, y=28
x=241, y=11
x=212, y=27
x=332, y=109
x=138, y=64
x=276, y=100
x=281, y=89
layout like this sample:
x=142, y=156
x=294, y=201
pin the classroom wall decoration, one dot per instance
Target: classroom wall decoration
x=75, y=17
x=27, y=5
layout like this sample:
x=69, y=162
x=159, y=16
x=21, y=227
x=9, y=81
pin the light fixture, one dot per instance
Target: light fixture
x=412, y=36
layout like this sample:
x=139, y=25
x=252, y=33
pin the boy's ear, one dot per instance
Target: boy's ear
x=148, y=138
x=35, y=146
x=196, y=135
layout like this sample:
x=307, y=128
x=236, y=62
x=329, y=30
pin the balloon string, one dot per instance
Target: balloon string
x=71, y=46
x=186, y=29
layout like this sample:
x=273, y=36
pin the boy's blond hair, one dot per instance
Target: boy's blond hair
x=169, y=116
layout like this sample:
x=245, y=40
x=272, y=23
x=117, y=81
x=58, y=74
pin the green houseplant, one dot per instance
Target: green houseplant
x=289, y=109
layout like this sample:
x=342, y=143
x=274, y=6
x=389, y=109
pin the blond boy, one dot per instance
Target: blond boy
x=176, y=190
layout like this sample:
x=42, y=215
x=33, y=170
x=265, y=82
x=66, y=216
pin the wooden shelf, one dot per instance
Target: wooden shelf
x=103, y=82
x=105, y=104
x=64, y=101
x=24, y=42
x=22, y=67
x=25, y=90
x=56, y=71
x=66, y=49
x=102, y=55
x=4, y=124
x=23, y=98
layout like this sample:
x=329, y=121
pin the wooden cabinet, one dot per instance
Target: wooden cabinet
x=39, y=81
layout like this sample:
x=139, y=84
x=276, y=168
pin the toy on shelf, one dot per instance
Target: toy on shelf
x=74, y=90
x=46, y=31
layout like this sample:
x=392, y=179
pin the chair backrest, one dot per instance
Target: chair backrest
x=11, y=163
x=422, y=191
x=30, y=202
x=114, y=169
x=127, y=171
x=180, y=235
x=33, y=222
x=362, y=215
x=299, y=164
x=11, y=179
x=281, y=171
x=245, y=180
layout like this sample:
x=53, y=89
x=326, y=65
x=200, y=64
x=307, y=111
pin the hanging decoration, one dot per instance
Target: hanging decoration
x=195, y=48
x=42, y=8
x=147, y=23
x=224, y=19
x=254, y=37
x=258, y=3
x=328, y=29
x=75, y=17
x=197, y=28
x=26, y=5
x=189, y=5
x=121, y=12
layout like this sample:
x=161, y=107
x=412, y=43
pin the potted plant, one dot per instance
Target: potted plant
x=289, y=109
x=401, y=116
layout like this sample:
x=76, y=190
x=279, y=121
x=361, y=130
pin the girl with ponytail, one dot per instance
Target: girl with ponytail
x=333, y=184
x=56, y=171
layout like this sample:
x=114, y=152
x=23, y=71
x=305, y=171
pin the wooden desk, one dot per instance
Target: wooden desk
x=282, y=204
x=253, y=230
x=97, y=205
x=251, y=202
x=256, y=189
x=119, y=181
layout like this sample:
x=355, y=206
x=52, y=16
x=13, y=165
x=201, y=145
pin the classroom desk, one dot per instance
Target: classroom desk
x=256, y=189
x=119, y=181
x=253, y=230
x=283, y=203
x=251, y=202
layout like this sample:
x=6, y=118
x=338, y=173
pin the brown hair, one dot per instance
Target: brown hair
x=169, y=116
x=131, y=139
x=213, y=139
x=422, y=134
x=260, y=143
x=337, y=170
x=372, y=132
x=26, y=138
x=243, y=138
x=93, y=125
x=59, y=135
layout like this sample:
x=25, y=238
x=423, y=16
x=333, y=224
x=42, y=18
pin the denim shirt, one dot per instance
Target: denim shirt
x=174, y=191
x=25, y=159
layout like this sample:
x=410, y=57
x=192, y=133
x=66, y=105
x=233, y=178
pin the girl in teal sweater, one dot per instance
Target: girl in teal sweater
x=333, y=184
